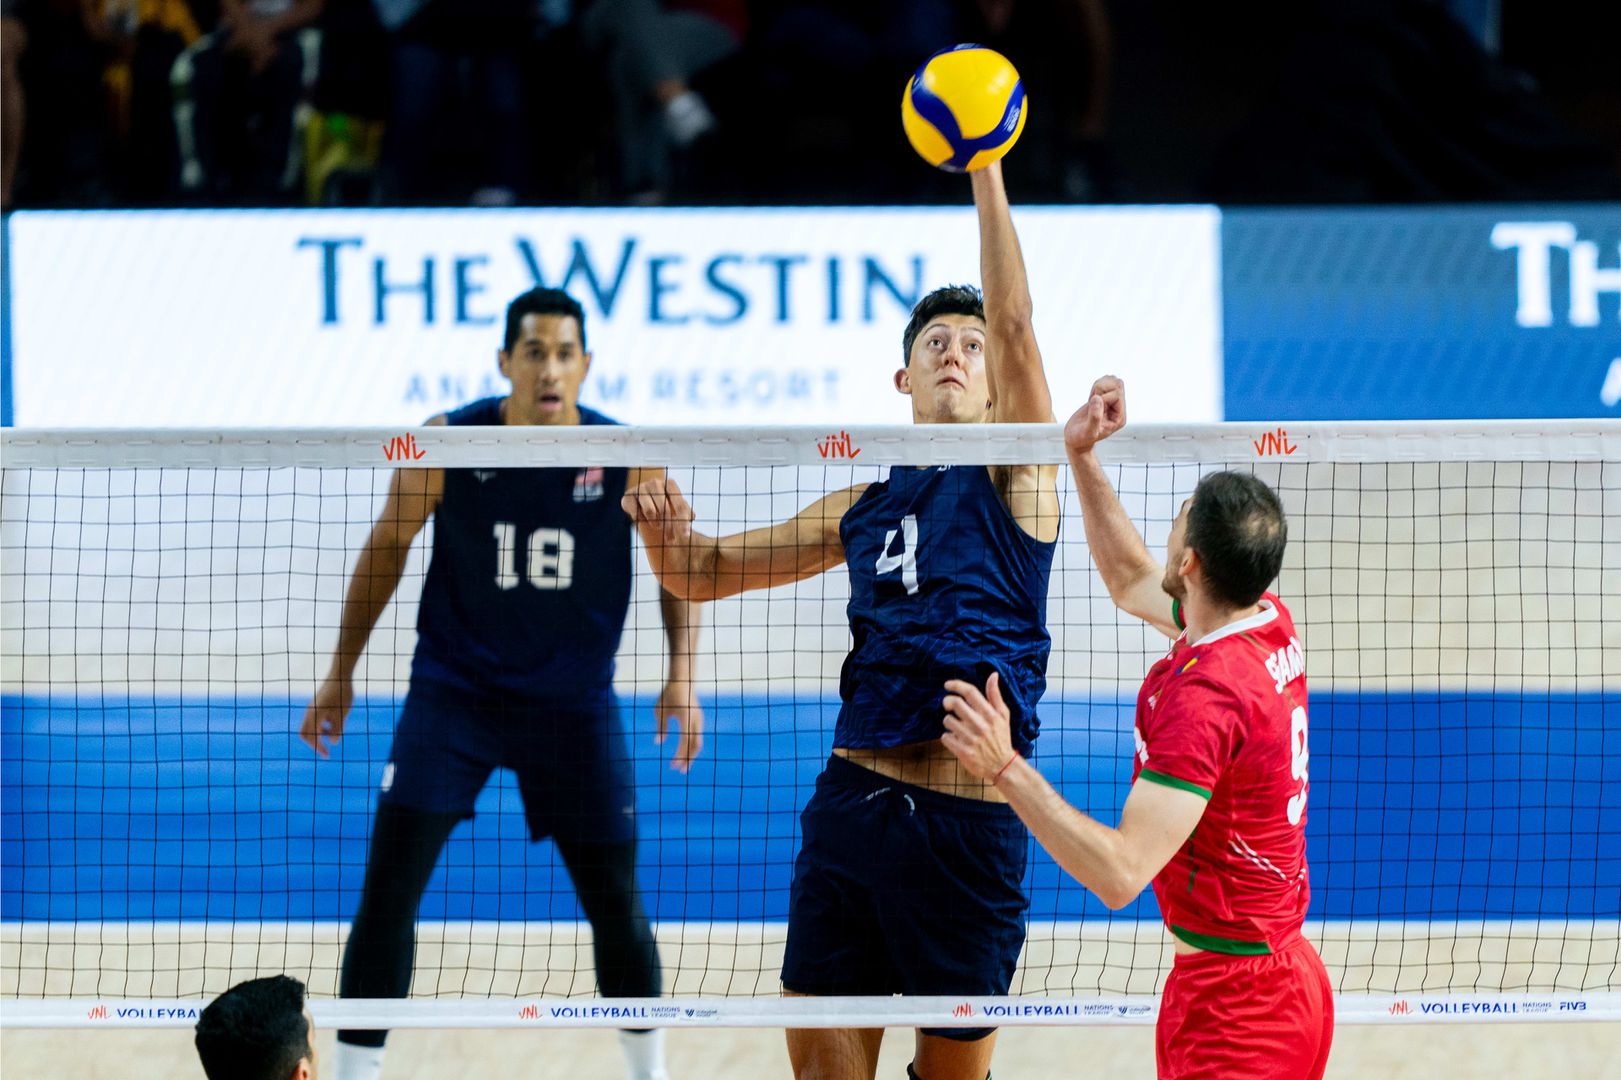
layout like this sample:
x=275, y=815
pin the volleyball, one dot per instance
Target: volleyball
x=963, y=108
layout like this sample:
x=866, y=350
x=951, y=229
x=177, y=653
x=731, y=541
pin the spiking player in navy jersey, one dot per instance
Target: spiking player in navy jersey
x=909, y=876
x=525, y=600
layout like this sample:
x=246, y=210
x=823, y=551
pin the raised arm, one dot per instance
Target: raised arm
x=413, y=494
x=1018, y=384
x=1132, y=575
x=693, y=566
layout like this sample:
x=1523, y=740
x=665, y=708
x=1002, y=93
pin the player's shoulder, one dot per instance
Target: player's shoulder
x=1285, y=622
x=864, y=495
x=594, y=418
x=1240, y=656
x=1197, y=681
x=484, y=412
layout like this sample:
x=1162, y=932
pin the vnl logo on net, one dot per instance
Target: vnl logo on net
x=143, y=1012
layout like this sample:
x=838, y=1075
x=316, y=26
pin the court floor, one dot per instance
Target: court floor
x=1583, y=1051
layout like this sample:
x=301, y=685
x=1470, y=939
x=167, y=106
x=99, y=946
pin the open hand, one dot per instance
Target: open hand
x=326, y=714
x=678, y=701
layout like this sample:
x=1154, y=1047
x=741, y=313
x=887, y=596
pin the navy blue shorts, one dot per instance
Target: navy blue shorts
x=571, y=758
x=903, y=890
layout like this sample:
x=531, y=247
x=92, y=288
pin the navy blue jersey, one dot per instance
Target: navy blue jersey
x=529, y=582
x=944, y=584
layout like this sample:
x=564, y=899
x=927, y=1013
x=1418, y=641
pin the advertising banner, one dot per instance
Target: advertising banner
x=1422, y=312
x=312, y=318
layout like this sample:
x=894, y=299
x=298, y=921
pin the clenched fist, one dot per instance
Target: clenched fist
x=1103, y=414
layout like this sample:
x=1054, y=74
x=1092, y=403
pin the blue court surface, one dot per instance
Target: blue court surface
x=1423, y=806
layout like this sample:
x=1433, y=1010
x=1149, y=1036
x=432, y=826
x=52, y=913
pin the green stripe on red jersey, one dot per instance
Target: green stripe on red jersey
x=1173, y=782
x=1212, y=943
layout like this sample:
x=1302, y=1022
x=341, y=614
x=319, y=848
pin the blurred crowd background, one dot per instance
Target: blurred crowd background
x=111, y=103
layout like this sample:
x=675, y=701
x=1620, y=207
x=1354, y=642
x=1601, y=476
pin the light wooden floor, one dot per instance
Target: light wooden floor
x=1522, y=1052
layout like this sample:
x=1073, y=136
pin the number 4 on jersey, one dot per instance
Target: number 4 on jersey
x=906, y=560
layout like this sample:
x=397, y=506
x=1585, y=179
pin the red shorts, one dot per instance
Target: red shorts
x=1257, y=1017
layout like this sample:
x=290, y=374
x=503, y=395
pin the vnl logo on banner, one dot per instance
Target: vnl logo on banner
x=693, y=316
x=1422, y=313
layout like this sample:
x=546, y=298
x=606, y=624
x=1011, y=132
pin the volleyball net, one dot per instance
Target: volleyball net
x=169, y=601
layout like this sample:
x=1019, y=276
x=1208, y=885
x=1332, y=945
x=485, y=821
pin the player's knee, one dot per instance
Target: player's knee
x=616, y=916
x=613, y=907
x=605, y=881
x=912, y=1074
x=405, y=846
x=624, y=936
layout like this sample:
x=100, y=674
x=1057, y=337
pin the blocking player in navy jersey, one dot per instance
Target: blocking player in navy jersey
x=1217, y=812
x=522, y=610
x=909, y=876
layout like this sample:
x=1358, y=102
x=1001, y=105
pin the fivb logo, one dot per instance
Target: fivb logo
x=1533, y=243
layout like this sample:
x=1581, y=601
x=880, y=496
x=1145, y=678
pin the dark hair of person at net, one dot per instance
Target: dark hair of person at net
x=1236, y=525
x=946, y=300
x=542, y=301
x=256, y=1030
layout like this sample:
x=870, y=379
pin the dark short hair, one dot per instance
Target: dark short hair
x=541, y=301
x=1236, y=525
x=256, y=1030
x=947, y=300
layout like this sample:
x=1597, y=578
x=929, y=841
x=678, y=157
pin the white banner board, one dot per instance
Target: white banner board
x=311, y=318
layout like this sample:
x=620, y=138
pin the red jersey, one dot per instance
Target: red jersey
x=1225, y=718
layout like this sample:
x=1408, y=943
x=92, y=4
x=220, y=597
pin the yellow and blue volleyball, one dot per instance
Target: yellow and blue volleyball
x=964, y=108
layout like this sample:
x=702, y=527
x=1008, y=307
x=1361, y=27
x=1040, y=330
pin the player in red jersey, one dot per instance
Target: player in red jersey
x=1217, y=811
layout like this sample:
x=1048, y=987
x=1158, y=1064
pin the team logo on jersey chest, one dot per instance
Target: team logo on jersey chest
x=588, y=485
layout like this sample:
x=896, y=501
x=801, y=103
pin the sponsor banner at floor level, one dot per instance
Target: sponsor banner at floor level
x=767, y=1012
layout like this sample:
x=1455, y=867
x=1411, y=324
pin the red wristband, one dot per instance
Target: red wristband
x=1004, y=768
